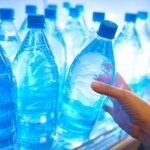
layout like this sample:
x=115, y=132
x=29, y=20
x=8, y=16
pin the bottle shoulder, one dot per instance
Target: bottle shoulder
x=35, y=65
x=128, y=36
x=97, y=45
x=8, y=32
x=96, y=52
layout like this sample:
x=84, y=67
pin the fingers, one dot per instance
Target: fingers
x=108, y=90
x=134, y=131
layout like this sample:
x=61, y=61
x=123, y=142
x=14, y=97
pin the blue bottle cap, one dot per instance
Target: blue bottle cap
x=107, y=29
x=66, y=5
x=35, y=21
x=130, y=17
x=98, y=16
x=31, y=9
x=143, y=15
x=80, y=8
x=7, y=14
x=74, y=12
x=52, y=6
x=50, y=13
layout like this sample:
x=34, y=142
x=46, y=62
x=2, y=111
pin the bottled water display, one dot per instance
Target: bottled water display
x=74, y=35
x=47, y=66
x=29, y=9
x=95, y=62
x=7, y=104
x=9, y=38
x=37, y=79
x=57, y=44
x=127, y=49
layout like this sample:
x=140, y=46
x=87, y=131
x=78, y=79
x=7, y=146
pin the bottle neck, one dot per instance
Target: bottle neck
x=7, y=24
x=105, y=40
x=141, y=23
x=35, y=36
x=9, y=30
x=50, y=25
x=75, y=19
x=130, y=24
x=129, y=28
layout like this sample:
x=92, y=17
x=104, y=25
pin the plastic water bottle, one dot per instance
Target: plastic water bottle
x=29, y=9
x=97, y=18
x=57, y=44
x=63, y=15
x=74, y=35
x=37, y=79
x=7, y=104
x=9, y=38
x=81, y=104
x=127, y=49
x=144, y=64
x=144, y=36
x=82, y=18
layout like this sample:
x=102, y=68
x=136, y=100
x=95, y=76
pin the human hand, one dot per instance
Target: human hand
x=130, y=112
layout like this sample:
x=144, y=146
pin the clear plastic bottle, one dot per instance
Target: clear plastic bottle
x=9, y=38
x=97, y=18
x=37, y=80
x=144, y=36
x=74, y=35
x=29, y=9
x=57, y=44
x=144, y=63
x=7, y=104
x=82, y=18
x=127, y=49
x=81, y=104
x=63, y=15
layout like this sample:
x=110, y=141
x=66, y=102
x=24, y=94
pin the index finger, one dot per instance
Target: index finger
x=108, y=90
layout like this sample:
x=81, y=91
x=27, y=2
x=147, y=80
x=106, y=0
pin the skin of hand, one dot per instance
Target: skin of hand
x=130, y=112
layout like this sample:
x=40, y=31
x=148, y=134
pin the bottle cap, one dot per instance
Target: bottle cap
x=35, y=21
x=130, y=17
x=50, y=13
x=7, y=14
x=52, y=6
x=74, y=12
x=66, y=5
x=143, y=15
x=98, y=16
x=80, y=8
x=107, y=29
x=31, y=9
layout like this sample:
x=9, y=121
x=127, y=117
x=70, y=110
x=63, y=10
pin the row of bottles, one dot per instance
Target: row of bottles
x=45, y=80
x=131, y=49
